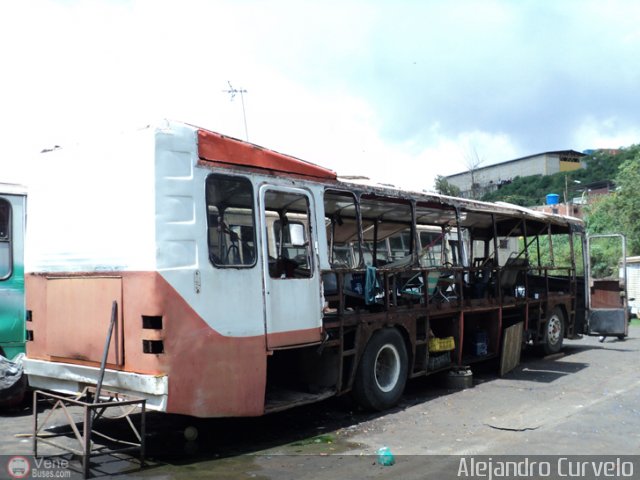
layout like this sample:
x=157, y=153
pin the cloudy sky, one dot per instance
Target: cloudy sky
x=398, y=90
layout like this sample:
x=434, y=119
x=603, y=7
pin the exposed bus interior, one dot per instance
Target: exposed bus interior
x=446, y=274
x=453, y=272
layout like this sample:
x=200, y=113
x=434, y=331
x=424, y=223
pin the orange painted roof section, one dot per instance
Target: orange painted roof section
x=219, y=148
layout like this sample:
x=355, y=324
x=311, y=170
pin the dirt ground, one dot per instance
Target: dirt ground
x=585, y=401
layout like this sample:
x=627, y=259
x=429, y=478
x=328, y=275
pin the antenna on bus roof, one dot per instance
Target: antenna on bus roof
x=233, y=91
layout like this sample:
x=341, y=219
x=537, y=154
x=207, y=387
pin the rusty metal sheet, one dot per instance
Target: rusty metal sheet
x=78, y=317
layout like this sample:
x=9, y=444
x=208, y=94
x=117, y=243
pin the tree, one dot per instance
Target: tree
x=445, y=188
x=473, y=162
x=619, y=212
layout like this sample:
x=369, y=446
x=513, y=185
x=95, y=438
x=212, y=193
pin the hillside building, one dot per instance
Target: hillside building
x=478, y=182
x=577, y=197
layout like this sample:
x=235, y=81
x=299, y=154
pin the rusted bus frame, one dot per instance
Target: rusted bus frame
x=92, y=410
x=544, y=270
x=497, y=286
x=573, y=287
x=544, y=304
x=406, y=316
x=526, y=276
x=392, y=309
x=551, y=255
x=393, y=313
x=396, y=312
x=525, y=232
x=497, y=291
x=366, y=323
x=393, y=199
x=458, y=271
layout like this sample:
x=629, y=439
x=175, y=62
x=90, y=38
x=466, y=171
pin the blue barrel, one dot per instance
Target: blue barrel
x=553, y=198
x=480, y=343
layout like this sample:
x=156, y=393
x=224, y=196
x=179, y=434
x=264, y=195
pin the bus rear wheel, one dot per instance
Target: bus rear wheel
x=382, y=372
x=553, y=332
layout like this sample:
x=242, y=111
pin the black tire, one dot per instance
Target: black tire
x=553, y=332
x=382, y=372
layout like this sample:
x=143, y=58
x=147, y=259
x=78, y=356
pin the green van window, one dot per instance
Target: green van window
x=5, y=239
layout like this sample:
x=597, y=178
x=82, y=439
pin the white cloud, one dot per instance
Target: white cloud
x=609, y=132
x=401, y=91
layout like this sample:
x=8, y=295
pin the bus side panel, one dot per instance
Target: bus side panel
x=209, y=375
x=12, y=312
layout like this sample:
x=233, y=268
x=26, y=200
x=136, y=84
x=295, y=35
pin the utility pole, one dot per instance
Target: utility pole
x=233, y=91
x=567, y=197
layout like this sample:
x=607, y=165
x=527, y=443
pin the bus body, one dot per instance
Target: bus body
x=248, y=281
x=12, y=306
x=633, y=282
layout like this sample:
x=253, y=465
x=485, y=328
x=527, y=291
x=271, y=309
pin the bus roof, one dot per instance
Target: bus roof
x=12, y=189
x=473, y=208
x=220, y=149
x=223, y=150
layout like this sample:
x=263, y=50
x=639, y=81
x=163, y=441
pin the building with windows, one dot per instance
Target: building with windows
x=477, y=182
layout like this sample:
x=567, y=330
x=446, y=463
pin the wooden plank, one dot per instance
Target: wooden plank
x=511, y=348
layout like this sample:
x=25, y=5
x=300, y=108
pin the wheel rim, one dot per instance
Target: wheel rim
x=554, y=329
x=387, y=367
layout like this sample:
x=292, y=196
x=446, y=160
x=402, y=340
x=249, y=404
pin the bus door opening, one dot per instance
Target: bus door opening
x=290, y=268
x=607, y=286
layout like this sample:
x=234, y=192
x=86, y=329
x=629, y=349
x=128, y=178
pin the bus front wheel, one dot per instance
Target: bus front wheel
x=382, y=372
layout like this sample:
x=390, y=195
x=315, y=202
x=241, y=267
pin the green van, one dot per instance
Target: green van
x=12, y=306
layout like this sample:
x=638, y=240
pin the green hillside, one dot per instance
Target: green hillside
x=530, y=191
x=618, y=212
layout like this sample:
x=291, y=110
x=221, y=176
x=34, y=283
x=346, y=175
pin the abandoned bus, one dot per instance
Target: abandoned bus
x=12, y=307
x=248, y=281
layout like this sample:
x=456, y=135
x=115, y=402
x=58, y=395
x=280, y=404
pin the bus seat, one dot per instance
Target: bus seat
x=510, y=272
x=400, y=263
x=481, y=277
x=371, y=285
x=330, y=283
